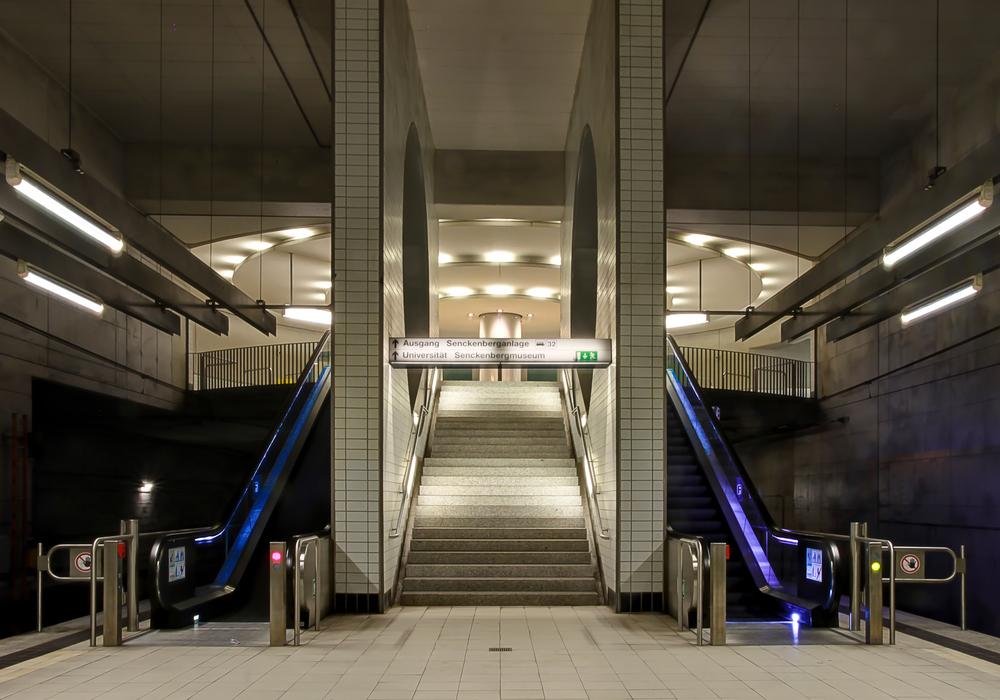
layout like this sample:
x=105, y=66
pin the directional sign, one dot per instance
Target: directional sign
x=490, y=352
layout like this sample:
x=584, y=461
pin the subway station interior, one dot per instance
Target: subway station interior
x=473, y=350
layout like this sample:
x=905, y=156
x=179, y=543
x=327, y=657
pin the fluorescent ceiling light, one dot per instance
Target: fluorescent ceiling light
x=59, y=289
x=321, y=317
x=258, y=245
x=297, y=233
x=541, y=292
x=924, y=237
x=500, y=289
x=444, y=258
x=458, y=291
x=697, y=239
x=942, y=301
x=736, y=252
x=683, y=320
x=556, y=260
x=499, y=256
x=37, y=195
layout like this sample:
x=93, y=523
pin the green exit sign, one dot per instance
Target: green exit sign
x=586, y=356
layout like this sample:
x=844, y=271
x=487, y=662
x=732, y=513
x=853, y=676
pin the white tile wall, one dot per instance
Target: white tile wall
x=640, y=347
x=357, y=400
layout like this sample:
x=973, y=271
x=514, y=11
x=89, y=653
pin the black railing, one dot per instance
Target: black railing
x=745, y=371
x=259, y=365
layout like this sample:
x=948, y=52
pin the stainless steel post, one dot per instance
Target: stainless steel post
x=279, y=597
x=961, y=552
x=131, y=529
x=680, y=587
x=112, y=594
x=42, y=566
x=873, y=609
x=854, y=624
x=717, y=616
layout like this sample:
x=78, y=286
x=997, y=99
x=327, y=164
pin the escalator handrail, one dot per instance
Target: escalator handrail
x=218, y=528
x=749, y=490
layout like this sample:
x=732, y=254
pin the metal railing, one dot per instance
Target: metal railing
x=696, y=556
x=581, y=435
x=258, y=365
x=745, y=371
x=417, y=441
x=303, y=546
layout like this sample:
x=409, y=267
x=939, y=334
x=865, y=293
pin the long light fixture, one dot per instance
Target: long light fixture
x=321, y=317
x=925, y=236
x=60, y=289
x=38, y=196
x=684, y=319
x=942, y=301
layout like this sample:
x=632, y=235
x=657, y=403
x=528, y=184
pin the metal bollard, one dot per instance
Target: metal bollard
x=279, y=596
x=857, y=530
x=873, y=609
x=113, y=554
x=130, y=528
x=717, y=616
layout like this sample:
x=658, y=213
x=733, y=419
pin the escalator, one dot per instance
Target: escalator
x=220, y=572
x=770, y=572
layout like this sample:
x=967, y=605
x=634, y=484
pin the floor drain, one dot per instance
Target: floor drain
x=501, y=649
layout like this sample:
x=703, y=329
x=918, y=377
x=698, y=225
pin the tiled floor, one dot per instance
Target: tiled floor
x=443, y=653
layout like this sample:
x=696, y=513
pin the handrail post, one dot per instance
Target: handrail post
x=278, y=603
x=962, y=554
x=42, y=566
x=717, y=614
x=130, y=528
x=873, y=609
x=857, y=530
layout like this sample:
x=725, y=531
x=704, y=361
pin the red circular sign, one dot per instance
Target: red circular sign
x=82, y=562
x=910, y=563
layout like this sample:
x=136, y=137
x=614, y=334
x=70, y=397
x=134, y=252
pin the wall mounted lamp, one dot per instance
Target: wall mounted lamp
x=60, y=289
x=944, y=300
x=51, y=203
x=941, y=226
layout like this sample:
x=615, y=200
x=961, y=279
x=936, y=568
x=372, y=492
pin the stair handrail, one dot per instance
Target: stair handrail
x=421, y=427
x=783, y=535
x=578, y=424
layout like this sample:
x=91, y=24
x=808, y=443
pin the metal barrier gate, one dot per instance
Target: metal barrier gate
x=83, y=567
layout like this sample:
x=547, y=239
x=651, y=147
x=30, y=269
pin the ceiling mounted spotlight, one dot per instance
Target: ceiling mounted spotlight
x=52, y=203
x=944, y=300
x=64, y=291
x=952, y=219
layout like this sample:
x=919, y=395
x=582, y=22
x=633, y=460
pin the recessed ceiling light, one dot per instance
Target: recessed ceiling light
x=556, y=260
x=679, y=300
x=499, y=311
x=500, y=289
x=767, y=281
x=296, y=233
x=458, y=291
x=697, y=239
x=471, y=315
x=676, y=290
x=759, y=267
x=499, y=256
x=444, y=258
x=233, y=259
x=258, y=245
x=683, y=320
x=541, y=292
x=736, y=252
x=227, y=273
x=321, y=317
x=531, y=315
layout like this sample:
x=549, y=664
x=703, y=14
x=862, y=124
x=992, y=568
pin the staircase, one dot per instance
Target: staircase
x=499, y=516
x=693, y=509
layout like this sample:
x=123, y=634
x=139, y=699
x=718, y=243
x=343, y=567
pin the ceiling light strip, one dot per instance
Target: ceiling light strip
x=64, y=291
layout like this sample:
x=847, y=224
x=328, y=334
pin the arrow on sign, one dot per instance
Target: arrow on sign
x=395, y=343
x=394, y=355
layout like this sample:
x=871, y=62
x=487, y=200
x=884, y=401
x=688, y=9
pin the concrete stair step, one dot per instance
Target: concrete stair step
x=500, y=570
x=517, y=558
x=478, y=461
x=512, y=598
x=556, y=440
x=489, y=500
x=499, y=545
x=499, y=490
x=495, y=529
x=490, y=413
x=514, y=422
x=499, y=585
x=500, y=472
x=501, y=431
x=520, y=451
x=526, y=481
x=499, y=511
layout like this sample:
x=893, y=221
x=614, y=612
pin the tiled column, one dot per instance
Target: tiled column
x=357, y=264
x=640, y=302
